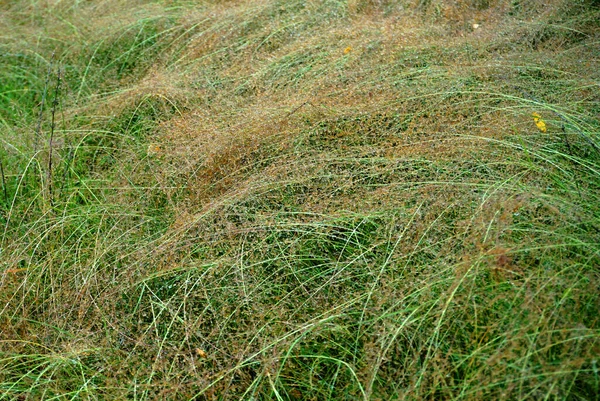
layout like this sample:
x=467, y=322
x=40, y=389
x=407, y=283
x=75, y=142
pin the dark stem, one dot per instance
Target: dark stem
x=38, y=131
x=51, y=140
x=3, y=182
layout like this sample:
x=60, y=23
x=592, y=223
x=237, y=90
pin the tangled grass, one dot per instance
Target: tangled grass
x=299, y=200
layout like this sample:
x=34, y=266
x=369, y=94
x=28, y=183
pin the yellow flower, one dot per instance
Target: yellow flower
x=154, y=149
x=347, y=50
x=539, y=122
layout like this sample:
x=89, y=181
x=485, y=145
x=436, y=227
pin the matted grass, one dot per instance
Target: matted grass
x=299, y=200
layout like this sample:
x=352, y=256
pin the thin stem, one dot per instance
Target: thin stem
x=51, y=140
x=38, y=131
x=3, y=182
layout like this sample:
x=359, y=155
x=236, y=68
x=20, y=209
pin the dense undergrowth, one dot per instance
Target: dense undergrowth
x=299, y=200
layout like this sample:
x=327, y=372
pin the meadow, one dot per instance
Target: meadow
x=299, y=200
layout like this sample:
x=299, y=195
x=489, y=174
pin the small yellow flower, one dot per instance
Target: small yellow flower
x=154, y=149
x=347, y=50
x=537, y=119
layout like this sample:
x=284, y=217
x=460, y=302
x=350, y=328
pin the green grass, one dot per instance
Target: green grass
x=289, y=200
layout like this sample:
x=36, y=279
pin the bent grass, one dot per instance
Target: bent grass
x=249, y=210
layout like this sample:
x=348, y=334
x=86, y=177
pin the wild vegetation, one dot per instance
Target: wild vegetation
x=300, y=200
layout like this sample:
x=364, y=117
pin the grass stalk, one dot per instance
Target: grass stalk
x=51, y=142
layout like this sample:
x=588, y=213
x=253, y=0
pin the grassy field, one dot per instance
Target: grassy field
x=300, y=200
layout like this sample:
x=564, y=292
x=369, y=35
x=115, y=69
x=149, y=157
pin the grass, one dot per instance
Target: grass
x=289, y=200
